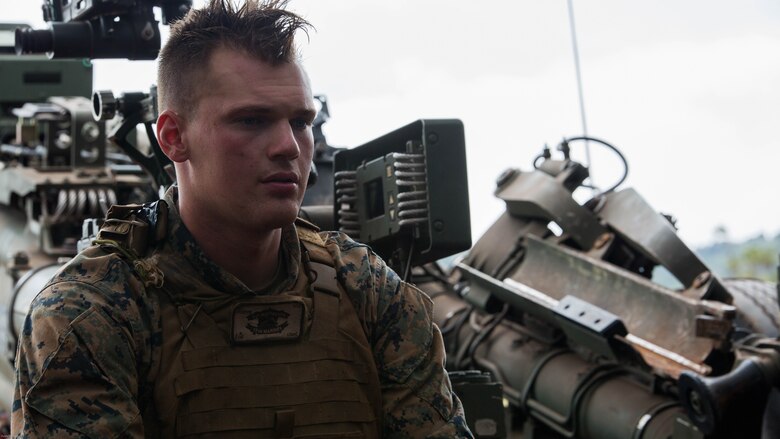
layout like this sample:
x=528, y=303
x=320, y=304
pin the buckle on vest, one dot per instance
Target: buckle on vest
x=270, y=321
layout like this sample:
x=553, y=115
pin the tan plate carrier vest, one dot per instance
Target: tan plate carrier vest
x=295, y=365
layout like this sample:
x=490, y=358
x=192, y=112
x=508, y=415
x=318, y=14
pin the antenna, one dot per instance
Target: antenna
x=579, y=86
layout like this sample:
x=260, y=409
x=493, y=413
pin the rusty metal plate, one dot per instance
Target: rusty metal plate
x=650, y=311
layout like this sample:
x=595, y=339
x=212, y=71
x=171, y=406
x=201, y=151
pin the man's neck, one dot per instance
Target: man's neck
x=252, y=257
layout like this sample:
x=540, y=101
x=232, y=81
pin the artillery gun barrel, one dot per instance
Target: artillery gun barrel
x=553, y=389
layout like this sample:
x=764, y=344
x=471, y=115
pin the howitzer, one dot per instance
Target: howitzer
x=567, y=317
x=100, y=28
x=35, y=78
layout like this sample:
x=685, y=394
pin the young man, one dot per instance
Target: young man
x=215, y=312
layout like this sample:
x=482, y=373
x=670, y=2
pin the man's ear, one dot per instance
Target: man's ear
x=169, y=134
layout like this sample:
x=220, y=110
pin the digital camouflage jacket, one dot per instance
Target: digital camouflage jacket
x=90, y=347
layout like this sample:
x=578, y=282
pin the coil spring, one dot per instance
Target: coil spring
x=413, y=188
x=76, y=204
x=346, y=196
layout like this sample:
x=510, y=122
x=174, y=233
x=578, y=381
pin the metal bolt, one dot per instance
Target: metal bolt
x=602, y=240
x=696, y=404
x=433, y=138
x=701, y=279
x=438, y=225
x=147, y=33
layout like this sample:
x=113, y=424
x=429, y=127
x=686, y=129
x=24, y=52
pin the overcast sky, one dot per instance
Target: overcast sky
x=688, y=90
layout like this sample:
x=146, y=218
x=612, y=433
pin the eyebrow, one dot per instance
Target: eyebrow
x=307, y=113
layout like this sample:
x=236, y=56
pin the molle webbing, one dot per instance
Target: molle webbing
x=264, y=419
x=321, y=385
x=229, y=356
x=206, y=380
x=226, y=388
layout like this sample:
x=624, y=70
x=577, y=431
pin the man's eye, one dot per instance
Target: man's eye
x=299, y=123
x=250, y=121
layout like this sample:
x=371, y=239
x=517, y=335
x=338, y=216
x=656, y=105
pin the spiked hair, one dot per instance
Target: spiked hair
x=260, y=28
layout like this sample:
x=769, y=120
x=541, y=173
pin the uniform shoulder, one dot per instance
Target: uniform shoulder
x=94, y=277
x=92, y=266
x=311, y=233
x=343, y=242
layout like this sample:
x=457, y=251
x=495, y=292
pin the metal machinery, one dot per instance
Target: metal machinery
x=555, y=309
x=57, y=168
x=554, y=306
x=556, y=301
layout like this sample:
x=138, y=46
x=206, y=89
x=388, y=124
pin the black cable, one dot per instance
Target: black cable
x=408, y=268
x=485, y=332
x=445, y=327
x=614, y=149
x=455, y=328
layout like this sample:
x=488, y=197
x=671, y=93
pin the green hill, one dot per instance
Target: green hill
x=756, y=258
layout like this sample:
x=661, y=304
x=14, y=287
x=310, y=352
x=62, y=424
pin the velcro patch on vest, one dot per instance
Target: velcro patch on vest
x=264, y=322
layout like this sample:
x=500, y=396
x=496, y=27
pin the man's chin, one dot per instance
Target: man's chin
x=277, y=218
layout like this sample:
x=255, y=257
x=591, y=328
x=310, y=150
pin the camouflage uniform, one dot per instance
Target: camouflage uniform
x=91, y=344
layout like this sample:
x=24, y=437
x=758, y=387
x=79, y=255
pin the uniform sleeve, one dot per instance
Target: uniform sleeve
x=417, y=396
x=416, y=391
x=76, y=373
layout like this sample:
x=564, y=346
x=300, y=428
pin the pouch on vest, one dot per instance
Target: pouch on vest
x=134, y=227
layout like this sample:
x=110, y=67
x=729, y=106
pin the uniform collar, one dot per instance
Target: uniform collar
x=181, y=242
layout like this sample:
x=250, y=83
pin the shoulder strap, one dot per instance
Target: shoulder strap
x=313, y=243
x=308, y=232
x=317, y=257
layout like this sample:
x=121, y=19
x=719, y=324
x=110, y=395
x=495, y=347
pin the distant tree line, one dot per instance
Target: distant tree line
x=755, y=258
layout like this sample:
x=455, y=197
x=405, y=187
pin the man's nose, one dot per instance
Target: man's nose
x=284, y=143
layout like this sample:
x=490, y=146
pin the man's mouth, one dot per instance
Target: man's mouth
x=282, y=177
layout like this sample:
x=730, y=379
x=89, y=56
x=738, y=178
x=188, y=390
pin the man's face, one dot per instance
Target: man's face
x=249, y=142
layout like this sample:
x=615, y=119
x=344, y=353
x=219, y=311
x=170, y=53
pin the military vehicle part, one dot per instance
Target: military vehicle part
x=135, y=108
x=581, y=322
x=71, y=138
x=482, y=399
x=651, y=234
x=553, y=387
x=406, y=193
x=100, y=28
x=319, y=188
x=756, y=302
x=568, y=320
x=712, y=402
x=565, y=148
x=35, y=78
